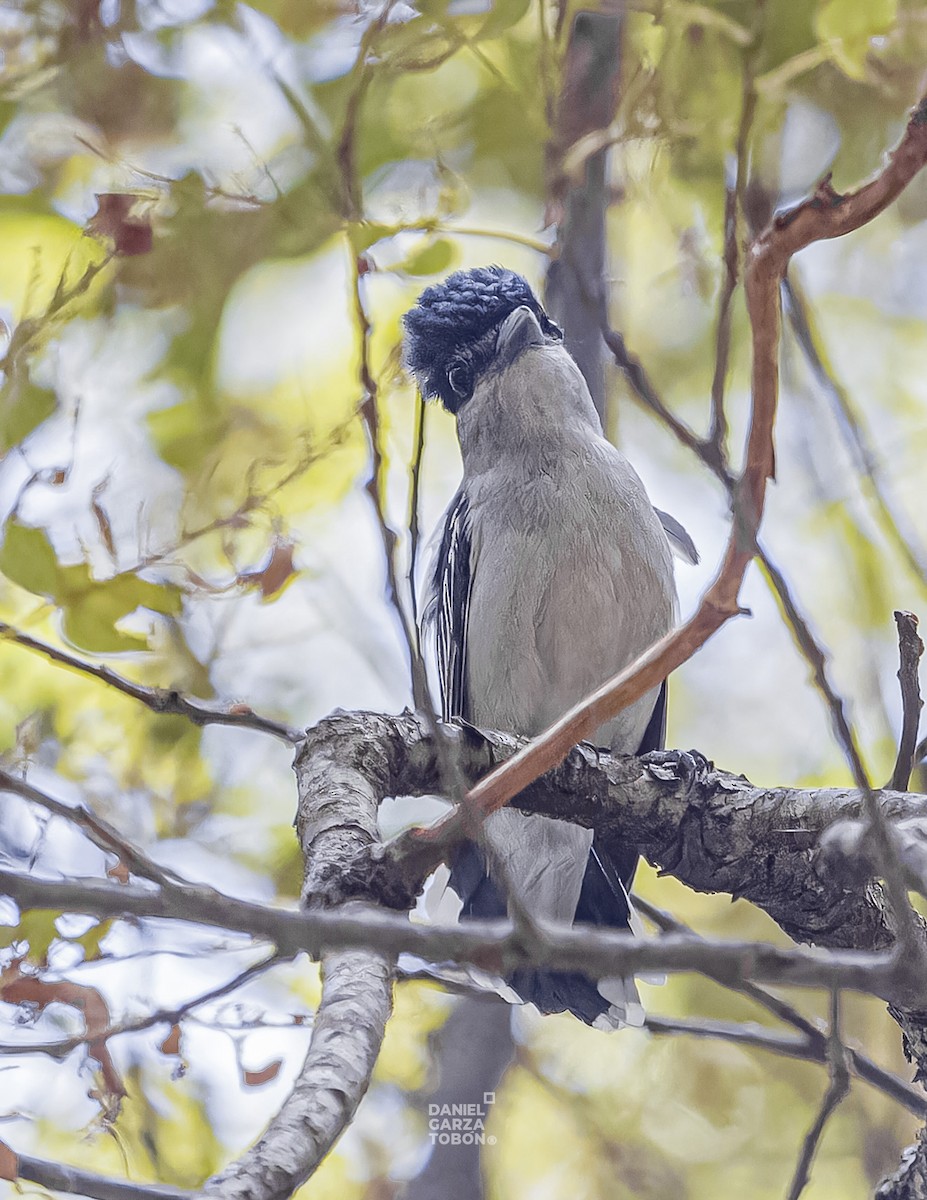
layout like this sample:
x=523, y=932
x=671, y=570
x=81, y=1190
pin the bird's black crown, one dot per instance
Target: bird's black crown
x=457, y=313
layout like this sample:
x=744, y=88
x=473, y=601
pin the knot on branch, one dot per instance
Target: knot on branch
x=374, y=874
x=368, y=748
x=847, y=849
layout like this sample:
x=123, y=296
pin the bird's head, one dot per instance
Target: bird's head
x=472, y=327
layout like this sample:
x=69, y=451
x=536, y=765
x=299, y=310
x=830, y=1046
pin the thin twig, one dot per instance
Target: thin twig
x=100, y=832
x=375, y=487
x=162, y=1016
x=159, y=700
x=717, y=434
x=910, y=649
x=801, y=631
x=415, y=472
x=74, y=1181
x=452, y=777
x=808, y=1049
x=910, y=942
x=837, y=1090
x=812, y=1037
x=893, y=521
x=826, y=214
x=815, y=657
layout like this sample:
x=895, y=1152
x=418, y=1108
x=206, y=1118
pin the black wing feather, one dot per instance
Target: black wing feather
x=655, y=734
x=452, y=586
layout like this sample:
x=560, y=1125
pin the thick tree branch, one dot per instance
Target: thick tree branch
x=334, y=825
x=712, y=830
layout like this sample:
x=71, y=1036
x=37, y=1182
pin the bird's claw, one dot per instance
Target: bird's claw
x=684, y=766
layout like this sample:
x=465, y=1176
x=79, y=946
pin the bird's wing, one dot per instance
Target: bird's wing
x=655, y=734
x=452, y=584
x=679, y=538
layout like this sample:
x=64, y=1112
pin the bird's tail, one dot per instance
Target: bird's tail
x=603, y=900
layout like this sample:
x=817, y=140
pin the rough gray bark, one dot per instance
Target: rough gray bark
x=713, y=830
x=336, y=820
x=799, y=854
x=909, y=1182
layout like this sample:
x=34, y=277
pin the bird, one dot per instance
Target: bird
x=553, y=571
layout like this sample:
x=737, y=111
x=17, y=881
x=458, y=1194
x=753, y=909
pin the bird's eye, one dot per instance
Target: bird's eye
x=460, y=378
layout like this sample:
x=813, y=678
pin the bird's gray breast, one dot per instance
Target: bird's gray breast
x=572, y=580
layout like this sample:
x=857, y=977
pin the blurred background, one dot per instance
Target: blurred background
x=200, y=204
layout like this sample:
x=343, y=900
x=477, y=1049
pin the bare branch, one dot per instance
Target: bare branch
x=812, y=1037
x=375, y=487
x=837, y=1090
x=890, y=514
x=910, y=649
x=159, y=700
x=100, y=832
x=415, y=472
x=491, y=945
x=74, y=1181
x=643, y=387
x=162, y=1016
x=346, y=1035
x=334, y=823
x=734, y=203
x=713, y=831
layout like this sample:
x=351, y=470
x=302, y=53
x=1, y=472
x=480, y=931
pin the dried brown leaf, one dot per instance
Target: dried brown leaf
x=265, y=1075
x=117, y=217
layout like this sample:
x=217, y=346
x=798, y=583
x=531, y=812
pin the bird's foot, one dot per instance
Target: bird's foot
x=677, y=766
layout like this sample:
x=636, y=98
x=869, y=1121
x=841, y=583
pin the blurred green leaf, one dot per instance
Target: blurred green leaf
x=433, y=258
x=846, y=27
x=90, y=941
x=23, y=407
x=364, y=234
x=27, y=558
x=90, y=623
x=91, y=607
x=37, y=927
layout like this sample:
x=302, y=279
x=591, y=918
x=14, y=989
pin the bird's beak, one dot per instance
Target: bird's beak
x=517, y=332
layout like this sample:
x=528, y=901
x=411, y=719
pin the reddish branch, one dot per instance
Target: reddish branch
x=826, y=214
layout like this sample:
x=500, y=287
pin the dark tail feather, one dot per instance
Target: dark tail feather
x=602, y=901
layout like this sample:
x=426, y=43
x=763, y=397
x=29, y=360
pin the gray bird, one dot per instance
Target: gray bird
x=553, y=572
